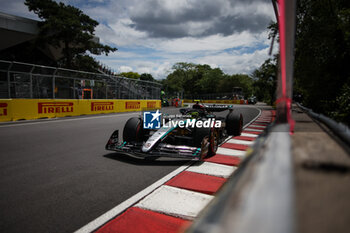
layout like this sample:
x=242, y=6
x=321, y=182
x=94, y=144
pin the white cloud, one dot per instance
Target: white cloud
x=211, y=43
x=214, y=32
x=120, y=33
x=122, y=69
x=233, y=63
x=17, y=7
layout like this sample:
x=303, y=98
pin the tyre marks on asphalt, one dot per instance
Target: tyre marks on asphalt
x=175, y=204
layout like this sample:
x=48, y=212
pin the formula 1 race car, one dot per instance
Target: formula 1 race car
x=195, y=134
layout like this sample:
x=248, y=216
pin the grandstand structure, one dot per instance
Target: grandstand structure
x=25, y=80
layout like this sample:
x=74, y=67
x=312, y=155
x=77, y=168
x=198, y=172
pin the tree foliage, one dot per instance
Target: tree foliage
x=265, y=81
x=322, y=54
x=236, y=80
x=67, y=27
x=132, y=75
x=147, y=77
x=194, y=79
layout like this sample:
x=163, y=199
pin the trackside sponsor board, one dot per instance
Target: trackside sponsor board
x=3, y=109
x=132, y=105
x=27, y=109
x=151, y=104
x=102, y=106
x=52, y=107
x=153, y=119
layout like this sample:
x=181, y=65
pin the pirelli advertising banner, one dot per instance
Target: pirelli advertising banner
x=17, y=109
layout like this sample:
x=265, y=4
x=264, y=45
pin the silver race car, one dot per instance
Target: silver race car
x=195, y=134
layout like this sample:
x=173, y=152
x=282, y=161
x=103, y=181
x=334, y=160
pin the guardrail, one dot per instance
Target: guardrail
x=258, y=199
x=339, y=129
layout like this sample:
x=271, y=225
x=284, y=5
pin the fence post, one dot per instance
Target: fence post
x=119, y=89
x=73, y=88
x=53, y=84
x=106, y=90
x=9, y=81
x=31, y=82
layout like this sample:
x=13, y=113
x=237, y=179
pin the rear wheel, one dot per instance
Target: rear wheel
x=133, y=130
x=234, y=123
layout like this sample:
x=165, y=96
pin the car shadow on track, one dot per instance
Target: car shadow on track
x=145, y=162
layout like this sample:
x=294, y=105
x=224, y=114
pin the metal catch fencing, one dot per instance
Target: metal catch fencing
x=22, y=80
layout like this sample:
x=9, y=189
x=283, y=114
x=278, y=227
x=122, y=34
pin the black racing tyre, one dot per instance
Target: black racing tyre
x=202, y=139
x=199, y=134
x=133, y=130
x=234, y=123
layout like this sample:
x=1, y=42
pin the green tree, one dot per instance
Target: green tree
x=67, y=27
x=181, y=79
x=132, y=75
x=228, y=82
x=147, y=77
x=265, y=81
x=322, y=54
x=208, y=79
x=194, y=79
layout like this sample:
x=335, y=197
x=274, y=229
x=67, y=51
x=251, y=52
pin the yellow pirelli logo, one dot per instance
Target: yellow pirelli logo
x=3, y=109
x=102, y=106
x=61, y=107
x=132, y=105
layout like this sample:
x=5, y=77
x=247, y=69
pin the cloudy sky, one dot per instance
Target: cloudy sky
x=152, y=35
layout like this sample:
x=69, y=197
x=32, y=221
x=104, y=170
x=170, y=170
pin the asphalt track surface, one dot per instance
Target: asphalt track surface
x=56, y=176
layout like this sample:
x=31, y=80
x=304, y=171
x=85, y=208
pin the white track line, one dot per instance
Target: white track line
x=55, y=120
x=254, y=119
x=213, y=169
x=264, y=120
x=242, y=142
x=249, y=135
x=258, y=126
x=255, y=130
x=129, y=202
x=175, y=202
x=230, y=152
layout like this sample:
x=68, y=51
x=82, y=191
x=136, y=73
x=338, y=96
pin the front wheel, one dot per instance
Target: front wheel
x=133, y=130
x=206, y=139
x=213, y=140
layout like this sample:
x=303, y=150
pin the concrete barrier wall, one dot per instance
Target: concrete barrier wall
x=18, y=109
x=219, y=101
